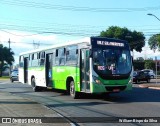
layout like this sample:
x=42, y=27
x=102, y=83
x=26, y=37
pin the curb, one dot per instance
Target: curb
x=157, y=88
x=143, y=86
x=150, y=86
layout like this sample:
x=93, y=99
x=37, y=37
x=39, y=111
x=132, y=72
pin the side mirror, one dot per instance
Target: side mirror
x=132, y=59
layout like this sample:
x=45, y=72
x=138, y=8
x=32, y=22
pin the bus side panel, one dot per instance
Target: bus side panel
x=58, y=77
x=39, y=74
x=40, y=77
x=60, y=74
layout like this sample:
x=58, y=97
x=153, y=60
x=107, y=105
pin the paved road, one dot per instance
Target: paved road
x=18, y=110
x=140, y=102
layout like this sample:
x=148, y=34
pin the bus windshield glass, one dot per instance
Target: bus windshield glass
x=108, y=62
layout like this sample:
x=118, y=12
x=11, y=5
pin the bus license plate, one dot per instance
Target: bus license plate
x=116, y=90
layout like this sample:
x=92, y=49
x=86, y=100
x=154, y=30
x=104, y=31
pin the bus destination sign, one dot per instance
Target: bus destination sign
x=107, y=43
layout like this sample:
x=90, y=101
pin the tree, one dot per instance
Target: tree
x=140, y=59
x=154, y=42
x=6, y=56
x=149, y=64
x=138, y=64
x=135, y=39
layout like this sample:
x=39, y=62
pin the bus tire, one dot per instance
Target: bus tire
x=34, y=87
x=73, y=93
x=148, y=80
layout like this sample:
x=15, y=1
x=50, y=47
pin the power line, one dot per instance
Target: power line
x=52, y=26
x=19, y=35
x=82, y=30
x=48, y=28
x=68, y=33
x=74, y=8
x=61, y=31
x=37, y=27
x=39, y=23
x=40, y=43
x=40, y=30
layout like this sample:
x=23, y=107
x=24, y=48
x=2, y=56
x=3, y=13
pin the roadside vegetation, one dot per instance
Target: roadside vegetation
x=4, y=78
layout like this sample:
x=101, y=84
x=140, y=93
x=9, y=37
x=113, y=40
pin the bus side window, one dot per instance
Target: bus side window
x=32, y=56
x=61, y=56
x=56, y=58
x=41, y=62
x=68, y=58
x=34, y=60
x=39, y=55
x=42, y=58
x=72, y=55
x=30, y=60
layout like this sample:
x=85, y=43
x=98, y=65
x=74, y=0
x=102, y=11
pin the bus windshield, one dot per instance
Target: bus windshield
x=109, y=62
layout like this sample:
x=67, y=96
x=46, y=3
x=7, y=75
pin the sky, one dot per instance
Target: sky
x=49, y=22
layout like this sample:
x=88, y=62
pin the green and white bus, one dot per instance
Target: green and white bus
x=93, y=65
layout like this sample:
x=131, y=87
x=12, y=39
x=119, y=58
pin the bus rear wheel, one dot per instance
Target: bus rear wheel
x=73, y=93
x=34, y=87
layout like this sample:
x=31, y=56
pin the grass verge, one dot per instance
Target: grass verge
x=4, y=78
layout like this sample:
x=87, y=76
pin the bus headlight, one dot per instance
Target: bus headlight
x=96, y=80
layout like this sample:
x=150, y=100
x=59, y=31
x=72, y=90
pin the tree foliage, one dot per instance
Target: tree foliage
x=135, y=39
x=138, y=64
x=140, y=59
x=149, y=64
x=6, y=56
x=154, y=42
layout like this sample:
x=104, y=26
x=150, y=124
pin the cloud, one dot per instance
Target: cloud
x=147, y=53
x=23, y=41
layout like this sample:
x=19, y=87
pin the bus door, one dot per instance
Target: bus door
x=85, y=85
x=26, y=70
x=49, y=59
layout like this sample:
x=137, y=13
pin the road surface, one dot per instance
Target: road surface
x=140, y=102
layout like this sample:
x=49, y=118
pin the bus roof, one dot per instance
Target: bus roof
x=84, y=40
x=89, y=40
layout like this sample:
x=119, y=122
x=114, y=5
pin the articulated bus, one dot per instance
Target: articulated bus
x=94, y=65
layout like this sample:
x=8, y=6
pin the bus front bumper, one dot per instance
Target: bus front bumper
x=100, y=88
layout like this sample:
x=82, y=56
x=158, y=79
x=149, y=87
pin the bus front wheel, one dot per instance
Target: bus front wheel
x=34, y=87
x=73, y=93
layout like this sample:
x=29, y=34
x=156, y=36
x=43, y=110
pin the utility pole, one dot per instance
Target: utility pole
x=9, y=43
x=36, y=45
x=155, y=50
x=153, y=16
